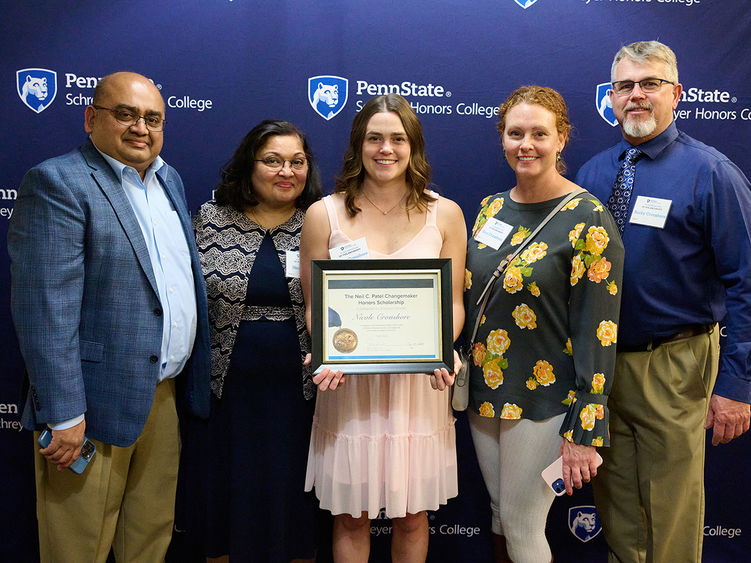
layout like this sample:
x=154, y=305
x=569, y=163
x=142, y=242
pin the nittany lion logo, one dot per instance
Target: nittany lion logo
x=36, y=87
x=602, y=102
x=525, y=3
x=327, y=94
x=584, y=522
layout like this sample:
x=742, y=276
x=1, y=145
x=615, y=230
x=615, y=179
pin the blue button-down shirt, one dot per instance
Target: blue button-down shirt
x=696, y=270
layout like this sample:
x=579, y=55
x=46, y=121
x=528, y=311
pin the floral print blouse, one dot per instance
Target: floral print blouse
x=546, y=343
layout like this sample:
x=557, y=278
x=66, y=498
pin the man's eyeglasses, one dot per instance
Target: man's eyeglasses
x=126, y=117
x=648, y=85
x=277, y=163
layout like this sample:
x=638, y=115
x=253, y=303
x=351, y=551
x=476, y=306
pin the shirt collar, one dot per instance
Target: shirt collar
x=653, y=147
x=118, y=167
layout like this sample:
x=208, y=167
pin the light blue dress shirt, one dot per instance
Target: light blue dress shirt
x=170, y=260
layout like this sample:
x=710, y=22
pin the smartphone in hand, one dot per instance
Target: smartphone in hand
x=553, y=475
x=88, y=449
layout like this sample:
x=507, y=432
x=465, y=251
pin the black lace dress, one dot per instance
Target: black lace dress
x=259, y=432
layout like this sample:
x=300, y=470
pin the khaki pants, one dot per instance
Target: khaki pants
x=125, y=499
x=649, y=491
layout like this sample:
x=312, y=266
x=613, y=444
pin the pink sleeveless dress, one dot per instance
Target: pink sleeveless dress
x=384, y=441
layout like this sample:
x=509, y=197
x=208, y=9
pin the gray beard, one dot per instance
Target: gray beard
x=639, y=129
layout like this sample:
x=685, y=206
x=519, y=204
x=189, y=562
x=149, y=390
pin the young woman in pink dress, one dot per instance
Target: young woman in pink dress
x=384, y=441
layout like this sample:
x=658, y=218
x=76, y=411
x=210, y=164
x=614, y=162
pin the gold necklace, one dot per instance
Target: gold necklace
x=378, y=208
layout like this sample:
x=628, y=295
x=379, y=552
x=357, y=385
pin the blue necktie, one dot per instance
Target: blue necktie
x=624, y=185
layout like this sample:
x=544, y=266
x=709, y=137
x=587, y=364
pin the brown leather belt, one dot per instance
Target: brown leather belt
x=689, y=332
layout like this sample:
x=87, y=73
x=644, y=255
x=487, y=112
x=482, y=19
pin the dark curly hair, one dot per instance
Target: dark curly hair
x=349, y=181
x=236, y=188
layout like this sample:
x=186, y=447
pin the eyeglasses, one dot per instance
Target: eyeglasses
x=130, y=118
x=648, y=85
x=277, y=163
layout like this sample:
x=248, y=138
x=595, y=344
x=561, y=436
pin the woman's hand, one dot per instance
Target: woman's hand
x=442, y=378
x=579, y=464
x=327, y=379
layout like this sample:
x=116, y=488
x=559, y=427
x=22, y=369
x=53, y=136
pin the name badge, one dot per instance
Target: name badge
x=292, y=267
x=650, y=211
x=493, y=233
x=355, y=250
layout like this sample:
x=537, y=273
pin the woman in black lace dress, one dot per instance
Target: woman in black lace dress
x=248, y=239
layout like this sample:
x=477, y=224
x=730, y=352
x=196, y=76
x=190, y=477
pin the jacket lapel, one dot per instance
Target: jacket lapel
x=105, y=177
x=177, y=200
x=177, y=197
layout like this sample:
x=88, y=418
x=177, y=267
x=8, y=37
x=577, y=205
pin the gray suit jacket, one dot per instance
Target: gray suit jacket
x=85, y=303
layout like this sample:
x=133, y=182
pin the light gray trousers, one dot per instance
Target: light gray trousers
x=512, y=454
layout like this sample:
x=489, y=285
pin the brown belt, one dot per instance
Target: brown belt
x=695, y=330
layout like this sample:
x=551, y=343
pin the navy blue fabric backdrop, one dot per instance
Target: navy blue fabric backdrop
x=223, y=65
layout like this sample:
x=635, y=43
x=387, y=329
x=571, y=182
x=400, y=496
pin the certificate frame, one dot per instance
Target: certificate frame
x=383, y=292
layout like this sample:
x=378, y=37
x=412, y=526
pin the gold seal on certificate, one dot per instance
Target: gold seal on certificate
x=345, y=340
x=381, y=316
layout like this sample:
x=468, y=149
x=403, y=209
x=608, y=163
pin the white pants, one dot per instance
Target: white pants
x=512, y=454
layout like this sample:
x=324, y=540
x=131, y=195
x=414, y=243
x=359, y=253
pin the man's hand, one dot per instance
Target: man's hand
x=65, y=446
x=728, y=417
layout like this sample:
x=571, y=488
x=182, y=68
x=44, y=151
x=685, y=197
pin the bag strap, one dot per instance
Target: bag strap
x=484, y=296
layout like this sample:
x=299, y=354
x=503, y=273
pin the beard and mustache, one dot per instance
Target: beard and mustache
x=638, y=128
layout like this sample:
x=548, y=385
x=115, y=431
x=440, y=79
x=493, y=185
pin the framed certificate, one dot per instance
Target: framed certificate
x=382, y=316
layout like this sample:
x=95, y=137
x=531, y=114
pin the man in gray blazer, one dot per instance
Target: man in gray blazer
x=109, y=305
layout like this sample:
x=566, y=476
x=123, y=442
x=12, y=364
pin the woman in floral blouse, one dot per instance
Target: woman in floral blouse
x=544, y=354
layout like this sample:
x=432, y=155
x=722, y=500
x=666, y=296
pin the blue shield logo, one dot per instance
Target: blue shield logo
x=327, y=95
x=603, y=105
x=584, y=522
x=525, y=3
x=36, y=87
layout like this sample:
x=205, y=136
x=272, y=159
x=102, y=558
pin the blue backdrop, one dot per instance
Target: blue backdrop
x=223, y=65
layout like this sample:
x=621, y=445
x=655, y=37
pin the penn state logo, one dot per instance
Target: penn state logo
x=327, y=95
x=584, y=522
x=602, y=102
x=525, y=3
x=36, y=87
